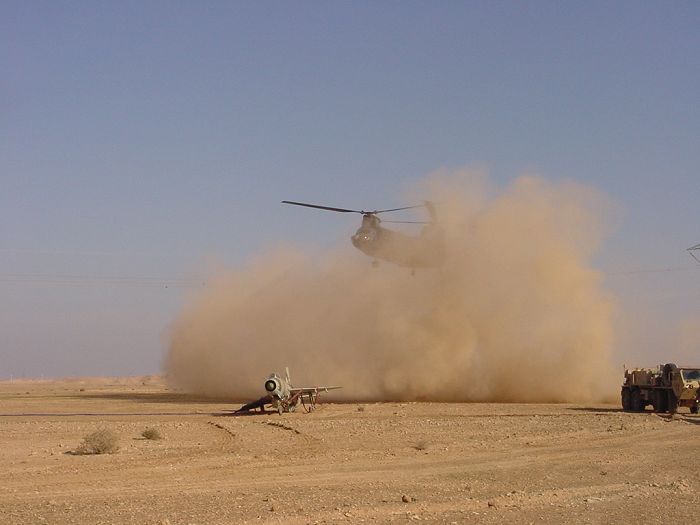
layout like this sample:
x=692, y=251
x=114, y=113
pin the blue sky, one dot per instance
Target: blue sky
x=139, y=141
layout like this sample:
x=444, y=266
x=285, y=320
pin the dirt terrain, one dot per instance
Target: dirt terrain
x=344, y=463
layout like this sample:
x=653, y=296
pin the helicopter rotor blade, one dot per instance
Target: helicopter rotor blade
x=345, y=210
x=329, y=208
x=408, y=222
x=396, y=209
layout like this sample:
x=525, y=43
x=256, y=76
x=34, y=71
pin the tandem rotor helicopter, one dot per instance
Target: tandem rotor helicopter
x=425, y=250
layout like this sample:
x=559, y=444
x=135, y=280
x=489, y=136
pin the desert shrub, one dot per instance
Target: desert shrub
x=421, y=445
x=151, y=433
x=102, y=441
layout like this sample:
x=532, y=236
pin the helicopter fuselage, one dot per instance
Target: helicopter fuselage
x=423, y=251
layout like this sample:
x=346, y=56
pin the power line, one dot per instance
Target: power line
x=87, y=280
x=656, y=270
x=187, y=282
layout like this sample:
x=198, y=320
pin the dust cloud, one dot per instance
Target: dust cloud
x=515, y=313
x=688, y=340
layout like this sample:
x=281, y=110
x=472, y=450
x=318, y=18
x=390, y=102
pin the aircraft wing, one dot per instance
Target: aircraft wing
x=313, y=389
x=259, y=403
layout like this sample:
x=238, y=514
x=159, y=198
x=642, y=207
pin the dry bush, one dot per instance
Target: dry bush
x=102, y=441
x=151, y=433
x=421, y=445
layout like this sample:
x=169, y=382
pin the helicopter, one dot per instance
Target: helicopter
x=410, y=251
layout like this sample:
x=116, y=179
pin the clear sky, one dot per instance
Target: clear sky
x=139, y=141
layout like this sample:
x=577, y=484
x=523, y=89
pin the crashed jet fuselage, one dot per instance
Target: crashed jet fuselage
x=283, y=397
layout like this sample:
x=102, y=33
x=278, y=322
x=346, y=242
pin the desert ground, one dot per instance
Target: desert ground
x=343, y=463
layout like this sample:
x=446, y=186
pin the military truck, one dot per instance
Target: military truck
x=665, y=388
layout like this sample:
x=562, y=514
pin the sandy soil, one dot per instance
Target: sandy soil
x=384, y=462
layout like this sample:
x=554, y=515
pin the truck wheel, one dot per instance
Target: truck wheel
x=672, y=402
x=637, y=402
x=694, y=409
x=656, y=401
x=660, y=401
x=626, y=400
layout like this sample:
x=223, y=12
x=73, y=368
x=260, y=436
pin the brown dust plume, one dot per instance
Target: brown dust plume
x=515, y=313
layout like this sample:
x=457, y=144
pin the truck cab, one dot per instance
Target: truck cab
x=665, y=388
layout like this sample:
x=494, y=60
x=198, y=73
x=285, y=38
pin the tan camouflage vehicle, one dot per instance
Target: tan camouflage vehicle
x=665, y=388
